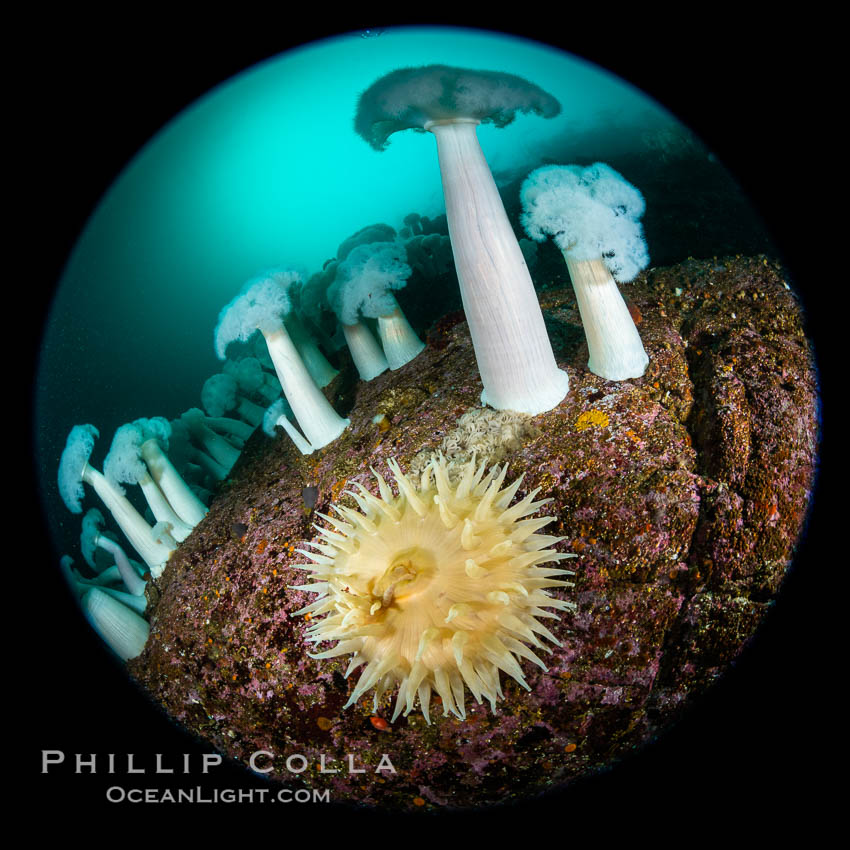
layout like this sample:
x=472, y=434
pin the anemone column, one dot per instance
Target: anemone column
x=400, y=342
x=593, y=215
x=187, y=505
x=614, y=345
x=122, y=629
x=511, y=344
x=368, y=356
x=130, y=521
x=320, y=369
x=320, y=423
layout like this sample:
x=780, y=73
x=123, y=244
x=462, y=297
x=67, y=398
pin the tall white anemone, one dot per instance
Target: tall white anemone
x=124, y=465
x=364, y=285
x=512, y=347
x=262, y=305
x=153, y=451
x=119, y=626
x=593, y=214
x=366, y=353
x=75, y=470
x=439, y=588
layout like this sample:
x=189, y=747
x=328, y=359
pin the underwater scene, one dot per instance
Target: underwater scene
x=424, y=418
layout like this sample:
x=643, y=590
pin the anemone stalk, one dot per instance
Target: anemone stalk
x=512, y=346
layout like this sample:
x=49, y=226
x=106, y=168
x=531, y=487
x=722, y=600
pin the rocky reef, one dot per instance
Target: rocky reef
x=683, y=494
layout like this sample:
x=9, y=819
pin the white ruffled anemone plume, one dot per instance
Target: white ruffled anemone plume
x=364, y=286
x=74, y=470
x=593, y=214
x=220, y=395
x=124, y=465
x=438, y=588
x=262, y=305
x=512, y=347
x=366, y=352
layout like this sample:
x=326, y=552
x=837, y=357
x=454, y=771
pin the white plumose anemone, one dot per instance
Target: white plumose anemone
x=436, y=589
x=509, y=336
x=261, y=305
x=593, y=214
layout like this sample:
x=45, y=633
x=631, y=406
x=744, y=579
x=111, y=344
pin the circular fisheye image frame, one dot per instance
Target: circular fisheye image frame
x=723, y=689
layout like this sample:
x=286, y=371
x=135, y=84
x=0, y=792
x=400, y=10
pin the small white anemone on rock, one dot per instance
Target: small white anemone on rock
x=438, y=588
x=593, y=215
x=262, y=305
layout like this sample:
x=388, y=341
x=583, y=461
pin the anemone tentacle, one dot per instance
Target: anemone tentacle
x=436, y=589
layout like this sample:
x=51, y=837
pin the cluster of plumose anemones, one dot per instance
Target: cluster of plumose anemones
x=440, y=587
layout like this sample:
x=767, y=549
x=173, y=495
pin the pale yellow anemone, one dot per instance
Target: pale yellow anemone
x=437, y=588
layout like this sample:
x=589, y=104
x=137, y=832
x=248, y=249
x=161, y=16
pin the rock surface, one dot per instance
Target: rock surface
x=683, y=493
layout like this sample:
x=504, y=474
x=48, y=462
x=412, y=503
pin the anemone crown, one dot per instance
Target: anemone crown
x=437, y=588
